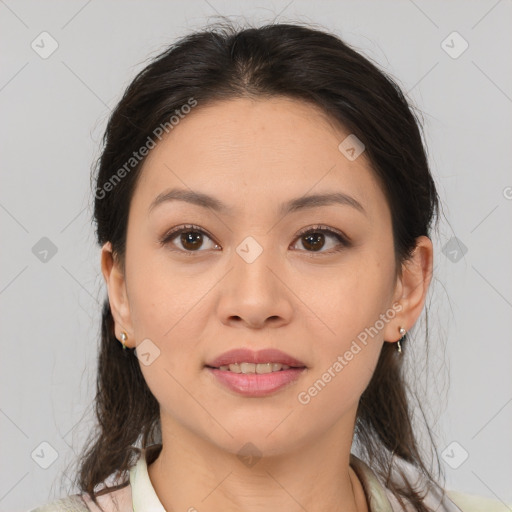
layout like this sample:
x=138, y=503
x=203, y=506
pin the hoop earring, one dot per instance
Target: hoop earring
x=402, y=332
x=124, y=337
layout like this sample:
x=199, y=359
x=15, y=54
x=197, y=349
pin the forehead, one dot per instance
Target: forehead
x=252, y=153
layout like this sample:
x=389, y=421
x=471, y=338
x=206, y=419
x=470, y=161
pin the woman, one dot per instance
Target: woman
x=263, y=203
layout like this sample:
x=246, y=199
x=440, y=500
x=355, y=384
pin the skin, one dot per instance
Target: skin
x=253, y=155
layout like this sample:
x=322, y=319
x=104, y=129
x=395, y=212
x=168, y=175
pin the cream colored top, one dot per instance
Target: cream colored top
x=140, y=496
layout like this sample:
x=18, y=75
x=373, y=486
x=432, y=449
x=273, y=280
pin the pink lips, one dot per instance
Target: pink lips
x=254, y=384
x=244, y=355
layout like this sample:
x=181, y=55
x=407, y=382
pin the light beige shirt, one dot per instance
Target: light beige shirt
x=140, y=496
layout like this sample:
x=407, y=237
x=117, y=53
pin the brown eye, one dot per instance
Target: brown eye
x=314, y=239
x=191, y=238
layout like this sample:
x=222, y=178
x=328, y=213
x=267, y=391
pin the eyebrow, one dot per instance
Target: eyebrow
x=300, y=203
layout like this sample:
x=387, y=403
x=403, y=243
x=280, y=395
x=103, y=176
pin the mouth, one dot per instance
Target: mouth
x=253, y=384
x=243, y=360
x=255, y=368
x=255, y=374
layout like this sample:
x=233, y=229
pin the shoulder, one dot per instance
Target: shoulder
x=382, y=498
x=74, y=503
x=119, y=500
x=473, y=503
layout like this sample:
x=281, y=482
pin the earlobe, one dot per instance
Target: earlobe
x=412, y=288
x=116, y=287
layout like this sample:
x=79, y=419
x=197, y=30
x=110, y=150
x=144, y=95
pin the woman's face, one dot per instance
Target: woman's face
x=252, y=280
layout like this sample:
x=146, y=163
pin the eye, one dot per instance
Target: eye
x=191, y=238
x=313, y=239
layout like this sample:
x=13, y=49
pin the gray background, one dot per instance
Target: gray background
x=53, y=114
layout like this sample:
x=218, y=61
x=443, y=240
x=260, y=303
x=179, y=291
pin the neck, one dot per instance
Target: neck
x=192, y=474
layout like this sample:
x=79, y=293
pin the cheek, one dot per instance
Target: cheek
x=350, y=301
x=348, y=350
x=335, y=389
x=353, y=310
x=162, y=296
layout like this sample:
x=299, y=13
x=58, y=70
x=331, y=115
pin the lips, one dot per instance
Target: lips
x=244, y=355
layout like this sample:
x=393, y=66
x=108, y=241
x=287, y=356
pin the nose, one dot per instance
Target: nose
x=254, y=293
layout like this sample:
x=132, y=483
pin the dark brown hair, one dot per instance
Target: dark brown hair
x=295, y=61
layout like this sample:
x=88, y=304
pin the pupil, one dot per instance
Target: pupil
x=191, y=237
x=312, y=240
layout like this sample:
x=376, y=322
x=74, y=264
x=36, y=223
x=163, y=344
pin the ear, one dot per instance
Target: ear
x=411, y=288
x=118, y=298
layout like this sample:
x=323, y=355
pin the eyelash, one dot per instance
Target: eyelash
x=344, y=240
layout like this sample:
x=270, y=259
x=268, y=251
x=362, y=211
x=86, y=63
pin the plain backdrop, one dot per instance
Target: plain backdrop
x=450, y=59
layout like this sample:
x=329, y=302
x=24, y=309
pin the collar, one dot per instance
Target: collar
x=144, y=498
x=376, y=494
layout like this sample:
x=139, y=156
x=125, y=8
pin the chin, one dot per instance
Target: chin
x=251, y=440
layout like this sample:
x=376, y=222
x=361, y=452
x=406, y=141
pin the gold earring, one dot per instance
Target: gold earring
x=124, y=337
x=402, y=332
